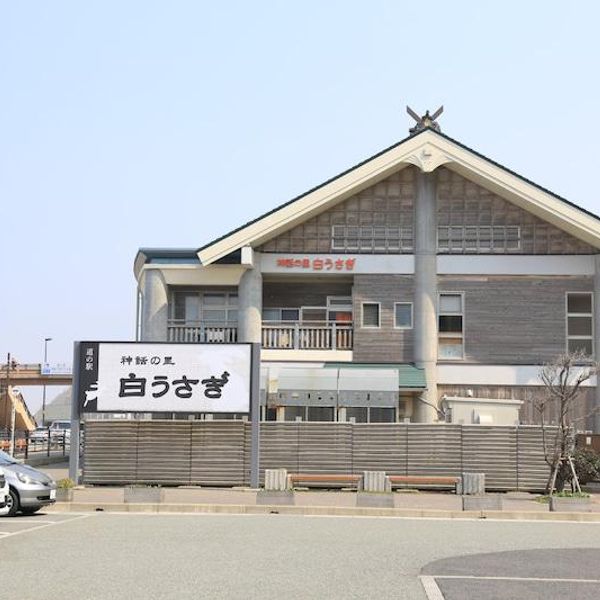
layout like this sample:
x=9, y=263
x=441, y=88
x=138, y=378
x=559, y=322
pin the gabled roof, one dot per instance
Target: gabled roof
x=428, y=150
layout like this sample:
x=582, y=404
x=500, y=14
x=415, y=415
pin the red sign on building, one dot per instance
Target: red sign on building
x=318, y=264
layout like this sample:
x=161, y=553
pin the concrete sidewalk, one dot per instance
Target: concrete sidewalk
x=407, y=503
x=516, y=505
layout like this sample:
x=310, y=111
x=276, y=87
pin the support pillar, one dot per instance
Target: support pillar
x=425, y=300
x=250, y=306
x=596, y=326
x=250, y=330
x=154, y=307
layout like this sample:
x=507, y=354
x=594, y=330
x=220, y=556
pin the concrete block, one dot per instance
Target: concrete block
x=562, y=504
x=471, y=484
x=375, y=481
x=64, y=495
x=276, y=497
x=145, y=495
x=375, y=499
x=276, y=480
x=486, y=502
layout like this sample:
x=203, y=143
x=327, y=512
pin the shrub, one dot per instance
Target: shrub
x=65, y=484
x=587, y=465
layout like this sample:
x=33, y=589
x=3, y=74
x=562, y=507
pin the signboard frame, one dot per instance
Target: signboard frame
x=76, y=402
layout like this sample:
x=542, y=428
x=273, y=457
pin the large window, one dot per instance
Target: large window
x=479, y=239
x=403, y=315
x=208, y=308
x=370, y=315
x=580, y=323
x=451, y=326
x=309, y=413
x=373, y=239
x=338, y=309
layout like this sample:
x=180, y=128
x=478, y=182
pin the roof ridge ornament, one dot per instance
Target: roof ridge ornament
x=427, y=121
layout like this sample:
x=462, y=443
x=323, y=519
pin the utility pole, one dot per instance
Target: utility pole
x=11, y=448
x=46, y=340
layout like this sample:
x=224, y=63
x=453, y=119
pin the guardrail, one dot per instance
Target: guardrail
x=25, y=446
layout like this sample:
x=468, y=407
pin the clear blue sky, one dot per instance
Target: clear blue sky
x=128, y=124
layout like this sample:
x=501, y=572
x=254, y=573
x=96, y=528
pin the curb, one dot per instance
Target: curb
x=252, y=509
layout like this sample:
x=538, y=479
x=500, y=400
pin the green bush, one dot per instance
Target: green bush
x=587, y=465
x=65, y=484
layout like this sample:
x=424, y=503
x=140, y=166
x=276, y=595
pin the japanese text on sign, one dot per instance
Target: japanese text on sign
x=318, y=264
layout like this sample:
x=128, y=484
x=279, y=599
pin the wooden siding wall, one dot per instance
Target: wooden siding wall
x=462, y=202
x=308, y=293
x=218, y=453
x=514, y=320
x=385, y=344
x=528, y=415
x=389, y=202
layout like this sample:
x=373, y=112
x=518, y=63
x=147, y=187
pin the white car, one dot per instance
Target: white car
x=3, y=494
x=60, y=430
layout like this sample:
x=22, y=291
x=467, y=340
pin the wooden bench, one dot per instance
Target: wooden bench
x=323, y=478
x=441, y=480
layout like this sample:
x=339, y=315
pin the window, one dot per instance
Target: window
x=482, y=238
x=403, y=315
x=382, y=415
x=580, y=328
x=339, y=309
x=280, y=314
x=211, y=308
x=357, y=414
x=450, y=326
x=370, y=314
x=373, y=239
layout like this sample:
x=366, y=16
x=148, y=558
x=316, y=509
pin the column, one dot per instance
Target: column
x=154, y=307
x=596, y=309
x=425, y=300
x=250, y=306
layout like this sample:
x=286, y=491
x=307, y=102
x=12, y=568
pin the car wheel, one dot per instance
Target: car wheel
x=13, y=503
x=30, y=510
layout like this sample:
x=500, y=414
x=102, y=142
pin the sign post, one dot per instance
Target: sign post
x=255, y=418
x=74, y=444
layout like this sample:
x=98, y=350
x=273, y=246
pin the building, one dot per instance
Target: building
x=424, y=276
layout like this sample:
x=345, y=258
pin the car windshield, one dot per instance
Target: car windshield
x=5, y=459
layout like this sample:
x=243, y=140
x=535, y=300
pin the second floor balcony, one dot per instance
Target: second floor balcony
x=284, y=335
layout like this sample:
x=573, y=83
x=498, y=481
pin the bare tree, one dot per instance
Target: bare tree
x=563, y=380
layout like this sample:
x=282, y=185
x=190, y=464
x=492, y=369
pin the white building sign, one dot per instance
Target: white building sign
x=151, y=377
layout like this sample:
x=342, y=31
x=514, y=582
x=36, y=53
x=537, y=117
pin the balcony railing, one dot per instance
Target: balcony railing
x=307, y=336
x=218, y=334
x=275, y=335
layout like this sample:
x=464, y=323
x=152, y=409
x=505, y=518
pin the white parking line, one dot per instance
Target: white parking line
x=47, y=524
x=493, y=578
x=431, y=588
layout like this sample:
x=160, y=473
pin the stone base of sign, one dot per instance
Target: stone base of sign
x=562, y=504
x=275, y=497
x=487, y=502
x=375, y=499
x=137, y=495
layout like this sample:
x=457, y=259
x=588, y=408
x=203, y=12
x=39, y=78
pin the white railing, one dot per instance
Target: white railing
x=282, y=336
x=303, y=336
x=217, y=334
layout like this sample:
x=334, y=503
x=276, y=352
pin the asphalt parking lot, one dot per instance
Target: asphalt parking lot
x=110, y=555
